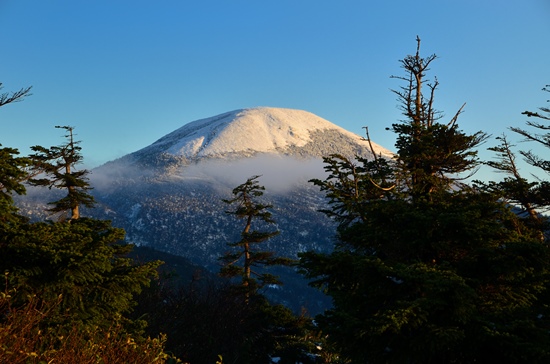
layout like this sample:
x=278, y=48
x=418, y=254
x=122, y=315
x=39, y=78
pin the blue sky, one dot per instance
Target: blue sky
x=125, y=73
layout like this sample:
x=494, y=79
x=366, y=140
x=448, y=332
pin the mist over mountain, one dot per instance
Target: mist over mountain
x=168, y=195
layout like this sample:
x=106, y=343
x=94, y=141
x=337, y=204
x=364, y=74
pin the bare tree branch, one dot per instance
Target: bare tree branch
x=454, y=119
x=16, y=96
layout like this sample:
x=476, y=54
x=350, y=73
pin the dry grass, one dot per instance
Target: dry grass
x=24, y=339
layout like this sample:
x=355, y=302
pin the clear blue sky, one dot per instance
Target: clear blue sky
x=125, y=73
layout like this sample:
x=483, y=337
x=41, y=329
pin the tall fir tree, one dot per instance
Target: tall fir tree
x=245, y=256
x=81, y=262
x=431, y=270
x=431, y=156
x=264, y=330
x=67, y=288
x=57, y=165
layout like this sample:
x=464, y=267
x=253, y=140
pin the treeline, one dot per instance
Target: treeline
x=427, y=266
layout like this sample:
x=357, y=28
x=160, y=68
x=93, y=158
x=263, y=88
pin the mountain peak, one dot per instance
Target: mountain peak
x=251, y=131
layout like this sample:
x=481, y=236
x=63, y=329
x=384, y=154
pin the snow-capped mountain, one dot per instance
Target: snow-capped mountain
x=168, y=195
x=253, y=131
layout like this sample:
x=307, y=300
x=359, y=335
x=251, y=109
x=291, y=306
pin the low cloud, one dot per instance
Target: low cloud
x=278, y=173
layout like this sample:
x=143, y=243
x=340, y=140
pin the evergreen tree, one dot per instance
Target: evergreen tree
x=12, y=174
x=540, y=195
x=58, y=164
x=542, y=139
x=264, y=330
x=516, y=190
x=67, y=287
x=531, y=197
x=205, y=319
x=431, y=156
x=12, y=168
x=241, y=261
x=429, y=269
x=350, y=185
x=82, y=263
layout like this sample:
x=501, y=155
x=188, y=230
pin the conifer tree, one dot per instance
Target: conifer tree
x=431, y=155
x=58, y=164
x=541, y=191
x=430, y=270
x=82, y=264
x=516, y=190
x=12, y=167
x=76, y=278
x=542, y=139
x=263, y=329
x=241, y=261
x=12, y=174
x=531, y=197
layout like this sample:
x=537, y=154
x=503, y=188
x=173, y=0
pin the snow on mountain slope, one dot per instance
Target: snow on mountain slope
x=169, y=195
x=256, y=130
